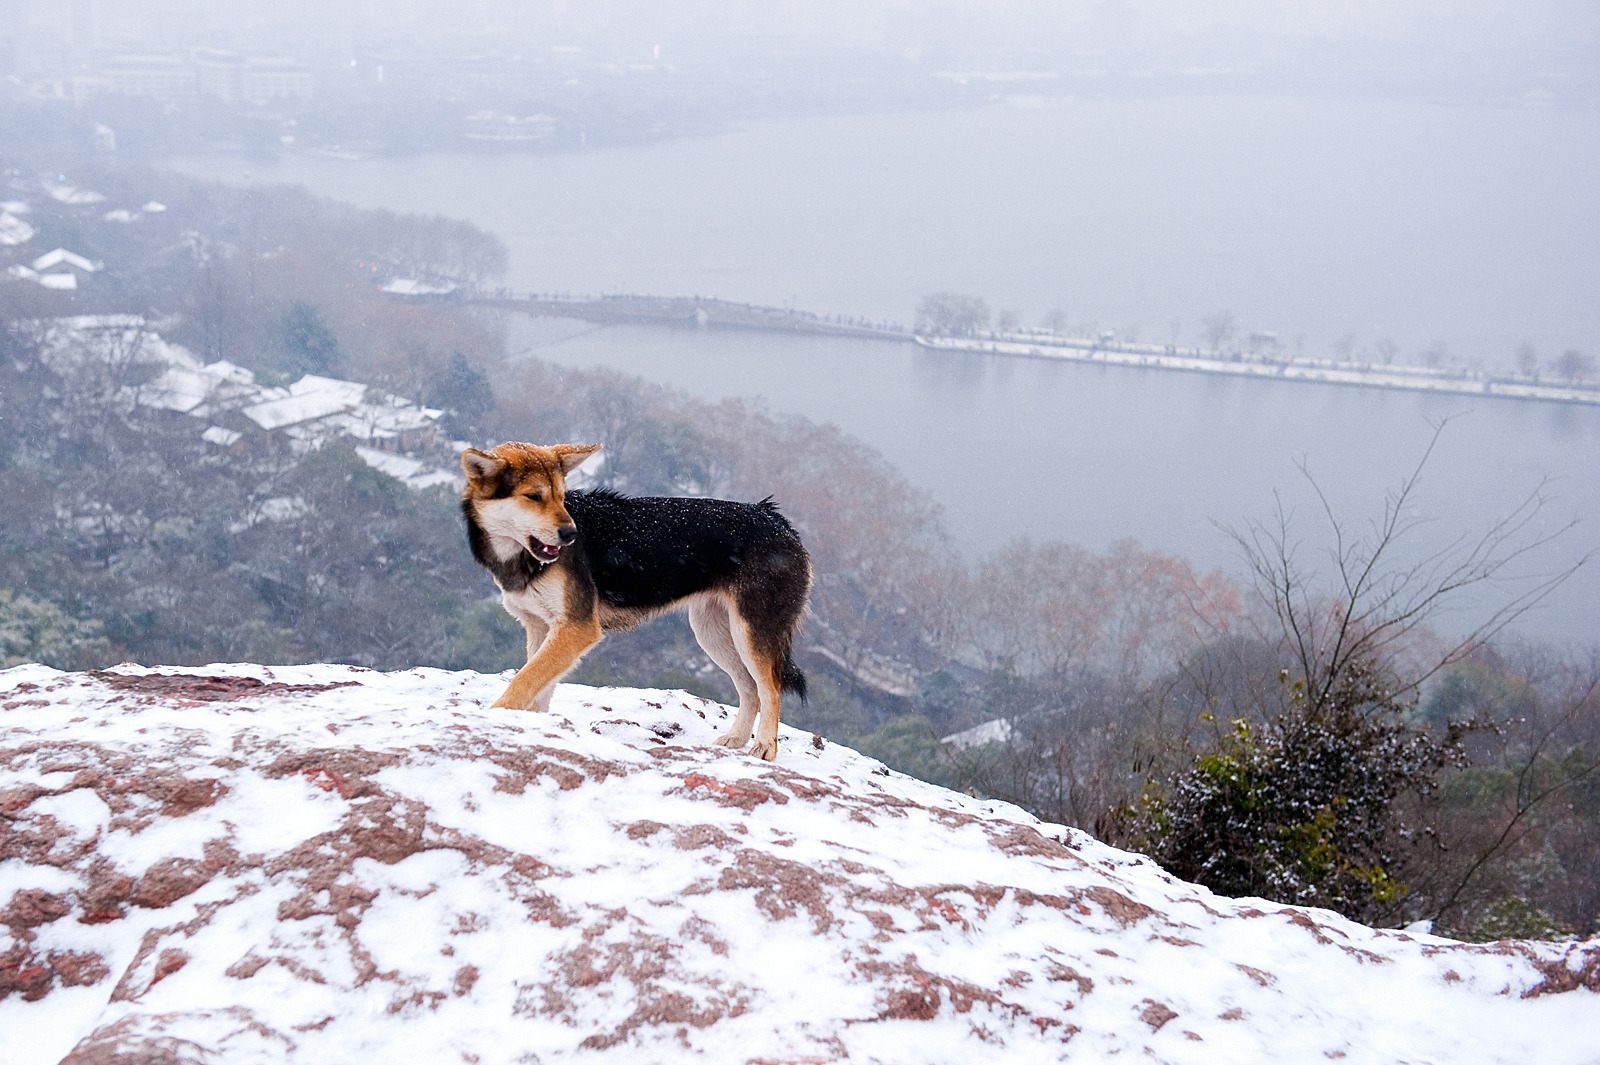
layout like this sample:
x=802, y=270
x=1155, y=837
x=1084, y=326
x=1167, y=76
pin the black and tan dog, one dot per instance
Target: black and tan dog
x=573, y=566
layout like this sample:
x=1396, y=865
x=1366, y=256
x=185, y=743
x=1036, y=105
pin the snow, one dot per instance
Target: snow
x=1409, y=378
x=309, y=413
x=14, y=230
x=996, y=731
x=62, y=255
x=74, y=196
x=293, y=410
x=60, y=282
x=324, y=863
x=408, y=286
x=411, y=472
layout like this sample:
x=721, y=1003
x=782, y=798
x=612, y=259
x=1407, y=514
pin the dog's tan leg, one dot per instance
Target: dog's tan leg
x=557, y=654
x=766, y=673
x=537, y=630
x=766, y=745
x=708, y=617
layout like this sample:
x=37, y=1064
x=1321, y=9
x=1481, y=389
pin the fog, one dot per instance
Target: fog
x=1371, y=182
x=1427, y=47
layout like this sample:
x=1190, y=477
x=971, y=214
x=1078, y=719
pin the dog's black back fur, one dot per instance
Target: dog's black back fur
x=640, y=555
x=646, y=553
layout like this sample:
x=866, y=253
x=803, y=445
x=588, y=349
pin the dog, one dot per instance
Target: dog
x=572, y=566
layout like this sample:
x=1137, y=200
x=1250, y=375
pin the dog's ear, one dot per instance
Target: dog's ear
x=571, y=456
x=481, y=466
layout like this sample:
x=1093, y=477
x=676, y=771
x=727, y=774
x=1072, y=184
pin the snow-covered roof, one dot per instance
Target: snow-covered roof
x=411, y=472
x=62, y=282
x=397, y=466
x=216, y=434
x=996, y=731
x=387, y=419
x=293, y=410
x=310, y=399
x=62, y=255
x=72, y=195
x=309, y=412
x=177, y=389
x=14, y=230
x=223, y=370
x=321, y=863
x=409, y=286
x=312, y=384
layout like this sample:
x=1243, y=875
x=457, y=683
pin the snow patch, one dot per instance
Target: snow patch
x=324, y=863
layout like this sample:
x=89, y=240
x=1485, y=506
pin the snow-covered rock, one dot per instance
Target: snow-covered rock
x=326, y=864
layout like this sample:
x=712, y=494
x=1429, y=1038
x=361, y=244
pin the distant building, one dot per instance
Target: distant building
x=242, y=416
x=217, y=74
x=209, y=72
x=265, y=80
x=159, y=76
x=62, y=256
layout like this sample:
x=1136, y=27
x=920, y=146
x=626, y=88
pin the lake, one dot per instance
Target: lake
x=1315, y=219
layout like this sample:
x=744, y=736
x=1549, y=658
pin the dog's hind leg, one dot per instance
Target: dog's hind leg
x=708, y=617
x=767, y=672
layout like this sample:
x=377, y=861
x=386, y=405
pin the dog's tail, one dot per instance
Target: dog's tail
x=793, y=679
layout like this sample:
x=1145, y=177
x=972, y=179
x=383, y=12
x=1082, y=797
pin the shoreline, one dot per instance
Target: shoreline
x=1317, y=371
x=706, y=312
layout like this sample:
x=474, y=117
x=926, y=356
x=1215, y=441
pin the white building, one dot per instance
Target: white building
x=159, y=76
x=262, y=81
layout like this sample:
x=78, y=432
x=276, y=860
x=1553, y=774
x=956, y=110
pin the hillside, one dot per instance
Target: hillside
x=324, y=863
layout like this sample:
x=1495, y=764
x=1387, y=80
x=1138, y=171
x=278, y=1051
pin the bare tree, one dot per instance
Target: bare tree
x=1575, y=365
x=1527, y=360
x=1218, y=329
x=1382, y=605
x=1321, y=790
x=1536, y=760
x=951, y=314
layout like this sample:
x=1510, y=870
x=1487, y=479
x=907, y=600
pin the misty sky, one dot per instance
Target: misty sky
x=1537, y=32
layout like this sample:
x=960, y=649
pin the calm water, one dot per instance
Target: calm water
x=1479, y=229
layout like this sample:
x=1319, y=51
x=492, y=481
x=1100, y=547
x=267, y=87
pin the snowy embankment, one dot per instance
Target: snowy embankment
x=1374, y=375
x=325, y=864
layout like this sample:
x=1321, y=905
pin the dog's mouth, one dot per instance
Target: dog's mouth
x=542, y=551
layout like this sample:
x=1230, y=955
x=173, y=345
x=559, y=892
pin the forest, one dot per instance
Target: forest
x=1306, y=730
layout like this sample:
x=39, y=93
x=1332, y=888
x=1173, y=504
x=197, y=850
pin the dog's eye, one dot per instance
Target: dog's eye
x=537, y=497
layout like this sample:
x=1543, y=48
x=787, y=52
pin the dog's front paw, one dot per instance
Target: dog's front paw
x=767, y=752
x=728, y=739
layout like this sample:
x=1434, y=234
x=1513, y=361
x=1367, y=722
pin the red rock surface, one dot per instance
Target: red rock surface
x=321, y=864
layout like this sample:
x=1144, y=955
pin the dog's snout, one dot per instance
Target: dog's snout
x=566, y=534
